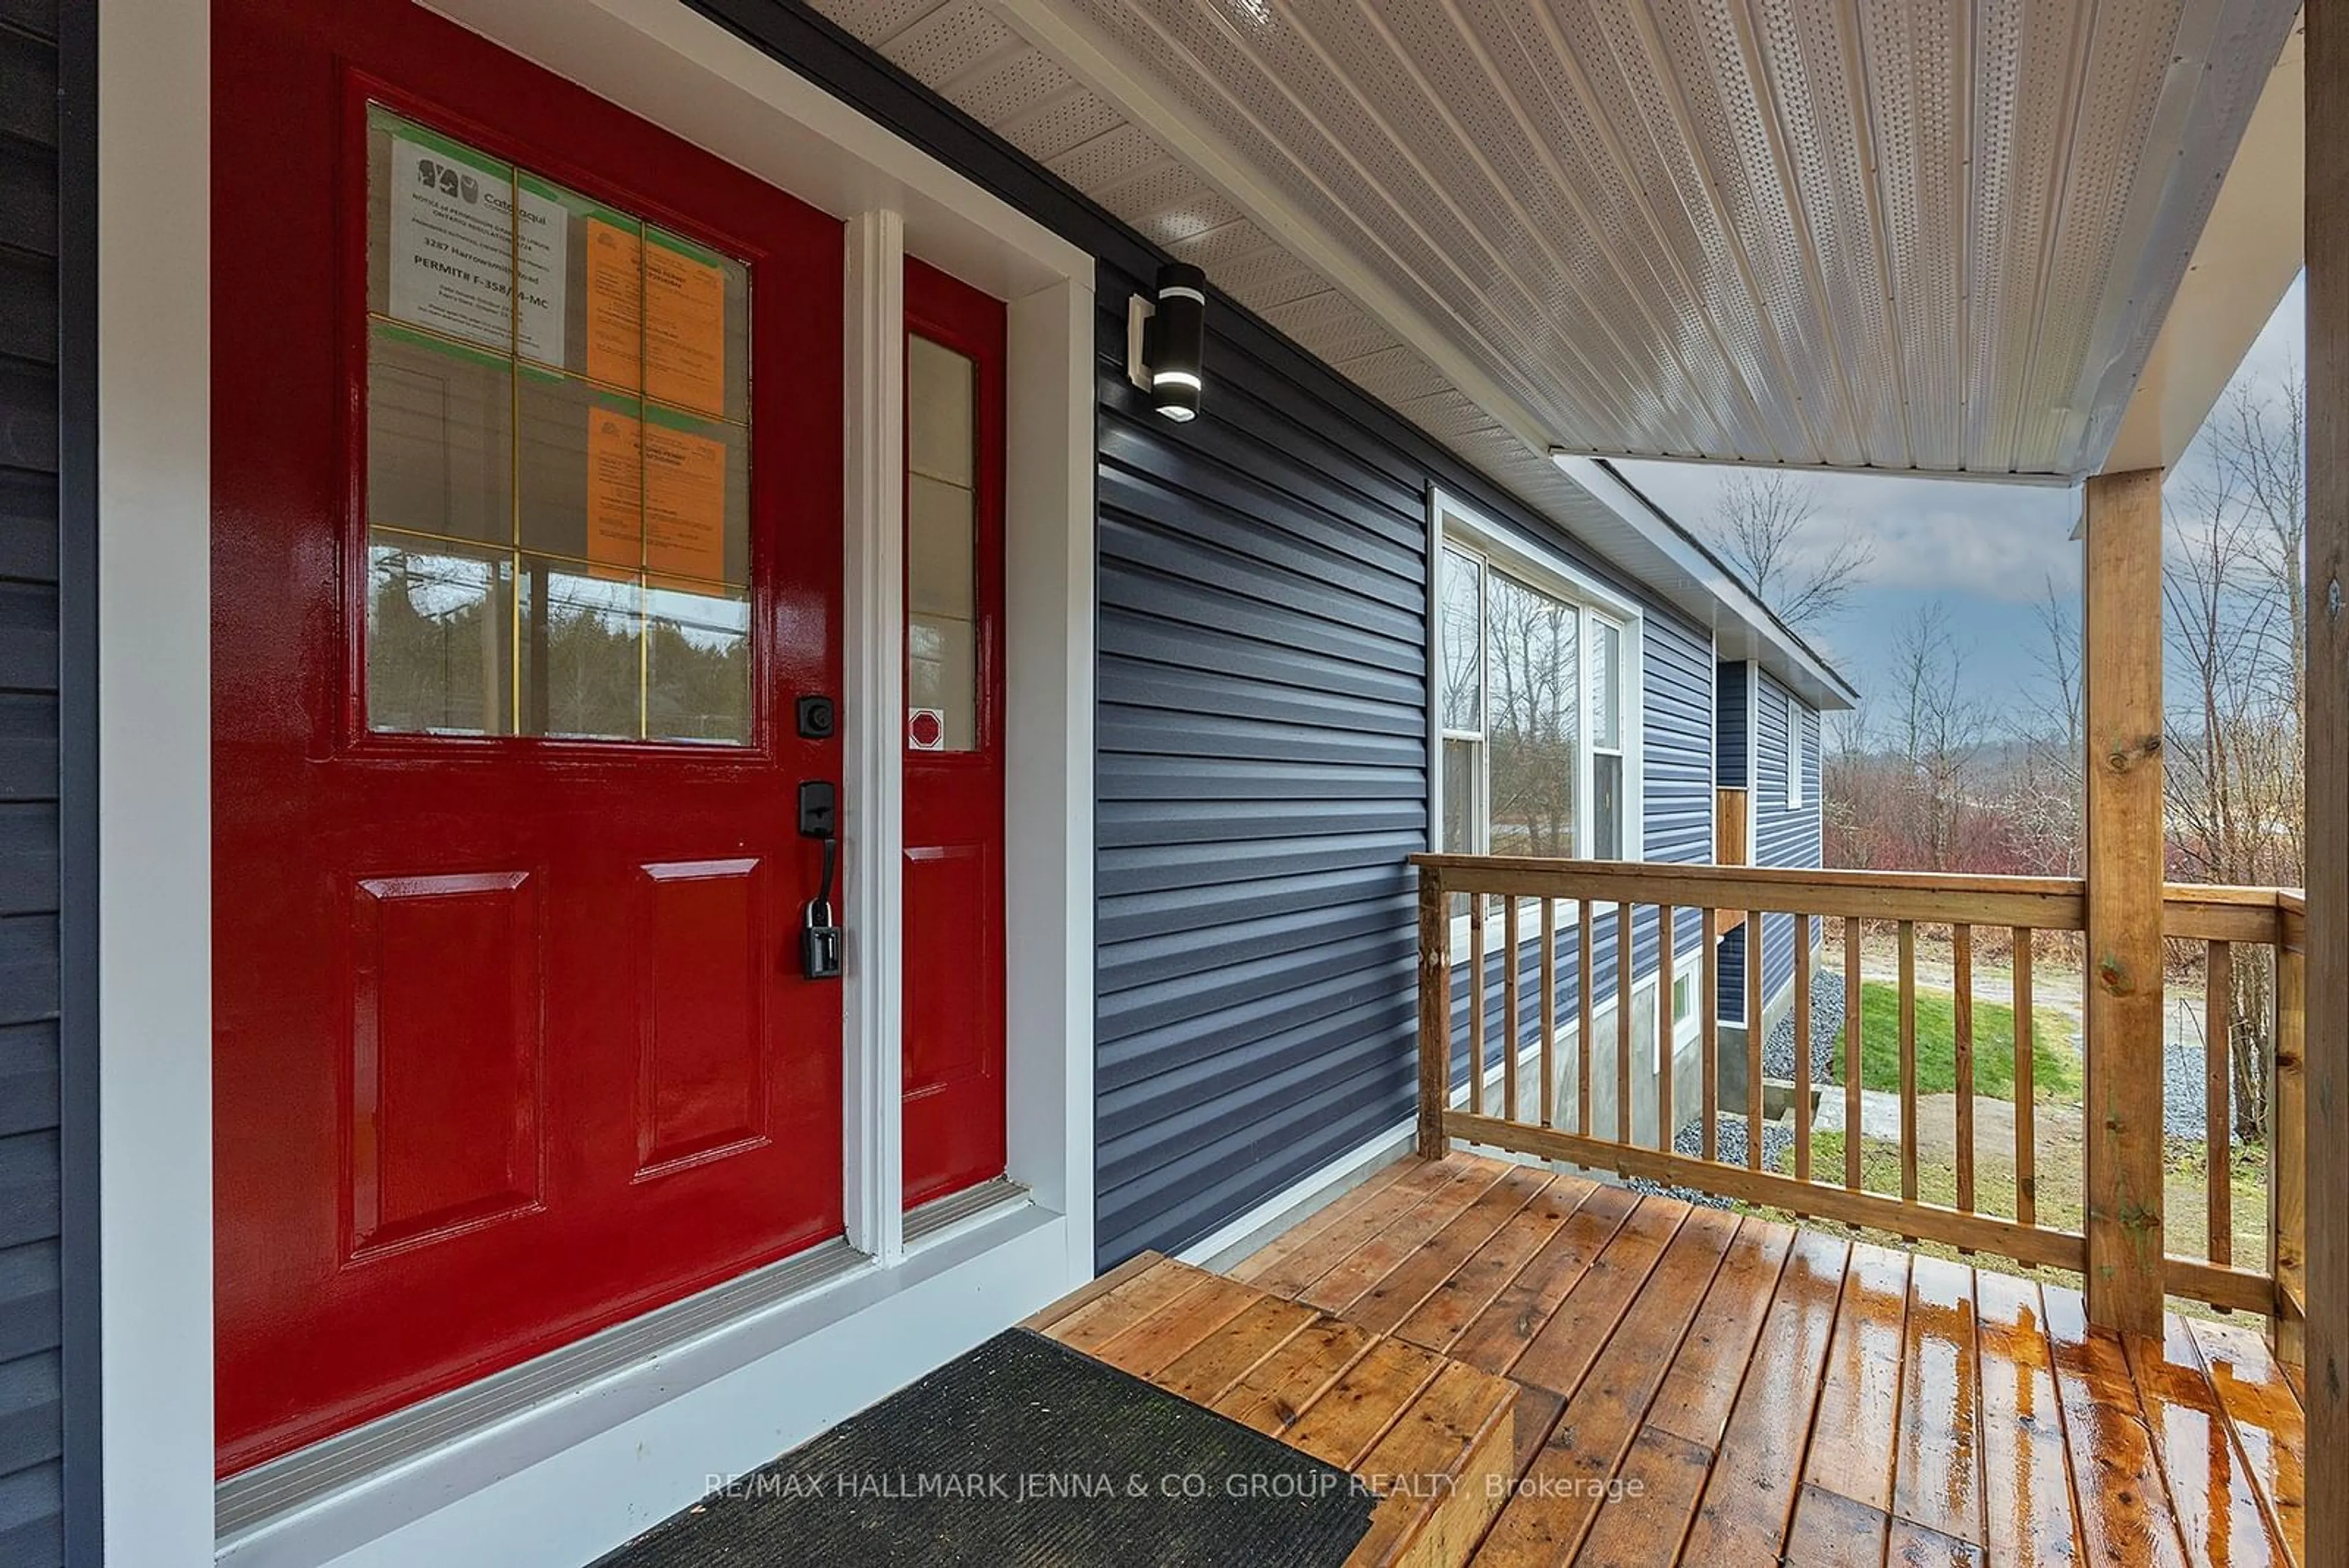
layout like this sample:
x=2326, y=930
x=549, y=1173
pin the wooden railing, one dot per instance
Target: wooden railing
x=1536, y=1017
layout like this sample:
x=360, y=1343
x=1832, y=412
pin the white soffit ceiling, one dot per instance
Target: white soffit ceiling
x=1930, y=236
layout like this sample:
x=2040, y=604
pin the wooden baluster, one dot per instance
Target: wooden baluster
x=1435, y=1012
x=1801, y=1047
x=1961, y=958
x=1908, y=1060
x=2218, y=1057
x=1548, y=1012
x=1477, y=1002
x=1585, y=976
x=1755, y=956
x=1708, y=1046
x=1623, y=946
x=2288, y=1141
x=1664, y=1032
x=1510, y=1109
x=1851, y=1051
x=2026, y=1110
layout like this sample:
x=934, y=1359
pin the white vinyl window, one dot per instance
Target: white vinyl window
x=1537, y=717
x=1794, y=752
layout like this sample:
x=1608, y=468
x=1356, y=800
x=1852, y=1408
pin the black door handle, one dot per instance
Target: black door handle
x=820, y=934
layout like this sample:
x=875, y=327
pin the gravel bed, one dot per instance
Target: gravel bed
x=1826, y=1021
x=1729, y=1149
x=2185, y=1083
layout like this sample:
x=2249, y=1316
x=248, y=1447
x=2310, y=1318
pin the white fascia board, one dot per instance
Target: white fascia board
x=1786, y=656
x=2249, y=253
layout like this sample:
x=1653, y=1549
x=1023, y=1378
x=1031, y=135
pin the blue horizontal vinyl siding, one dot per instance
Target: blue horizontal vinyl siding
x=32, y=448
x=1785, y=837
x=1262, y=776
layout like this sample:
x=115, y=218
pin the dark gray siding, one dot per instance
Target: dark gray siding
x=1783, y=837
x=1262, y=744
x=1680, y=705
x=1729, y=735
x=32, y=1424
x=1262, y=726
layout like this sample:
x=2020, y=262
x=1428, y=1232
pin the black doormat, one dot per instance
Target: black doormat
x=1024, y=1453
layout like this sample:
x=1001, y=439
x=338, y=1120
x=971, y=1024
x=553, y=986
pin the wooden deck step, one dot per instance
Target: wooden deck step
x=1434, y=1437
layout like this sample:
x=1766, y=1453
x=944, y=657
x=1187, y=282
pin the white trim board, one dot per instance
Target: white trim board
x=580, y=1473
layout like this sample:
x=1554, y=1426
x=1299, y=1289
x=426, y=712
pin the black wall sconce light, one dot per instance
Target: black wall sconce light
x=1163, y=339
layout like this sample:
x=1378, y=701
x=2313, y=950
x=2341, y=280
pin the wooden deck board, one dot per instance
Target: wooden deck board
x=1694, y=1401
x=1684, y=1386
x=1937, y=1469
x=1750, y=1498
x=2028, y=1512
x=1858, y=1414
x=1642, y=1522
x=1146, y=1347
x=1271, y=1394
x=1416, y=1277
x=1297, y=1257
x=1453, y=1304
x=1566, y=1484
x=2265, y=1412
x=1562, y=1349
x=1499, y=1334
x=1831, y=1530
x=2124, y=1514
x=1460, y=1426
x=1912, y=1545
x=1368, y=1197
x=1386, y=1248
x=1203, y=1373
x=2218, y=1509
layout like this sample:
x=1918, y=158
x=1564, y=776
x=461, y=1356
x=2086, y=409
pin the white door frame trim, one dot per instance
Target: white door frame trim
x=560, y=1484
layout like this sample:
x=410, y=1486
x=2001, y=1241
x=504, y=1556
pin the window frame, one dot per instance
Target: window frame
x=1454, y=527
x=356, y=322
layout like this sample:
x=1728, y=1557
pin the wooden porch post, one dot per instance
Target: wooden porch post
x=2123, y=623
x=2326, y=723
x=1435, y=1012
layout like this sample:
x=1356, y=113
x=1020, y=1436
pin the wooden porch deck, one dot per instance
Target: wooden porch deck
x=1683, y=1385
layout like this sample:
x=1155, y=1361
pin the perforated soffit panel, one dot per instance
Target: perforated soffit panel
x=1905, y=234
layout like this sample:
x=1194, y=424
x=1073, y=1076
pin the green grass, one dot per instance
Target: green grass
x=2055, y=1064
x=2060, y=1182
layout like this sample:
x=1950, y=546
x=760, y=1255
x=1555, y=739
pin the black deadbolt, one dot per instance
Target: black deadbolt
x=819, y=809
x=818, y=718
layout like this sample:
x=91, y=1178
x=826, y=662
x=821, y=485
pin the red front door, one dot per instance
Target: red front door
x=526, y=451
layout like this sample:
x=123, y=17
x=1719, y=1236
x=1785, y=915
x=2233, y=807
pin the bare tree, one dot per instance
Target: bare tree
x=2044, y=813
x=1760, y=524
x=2235, y=629
x=1938, y=733
x=2258, y=443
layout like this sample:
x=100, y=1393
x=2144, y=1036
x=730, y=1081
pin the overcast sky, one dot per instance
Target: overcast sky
x=1987, y=551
